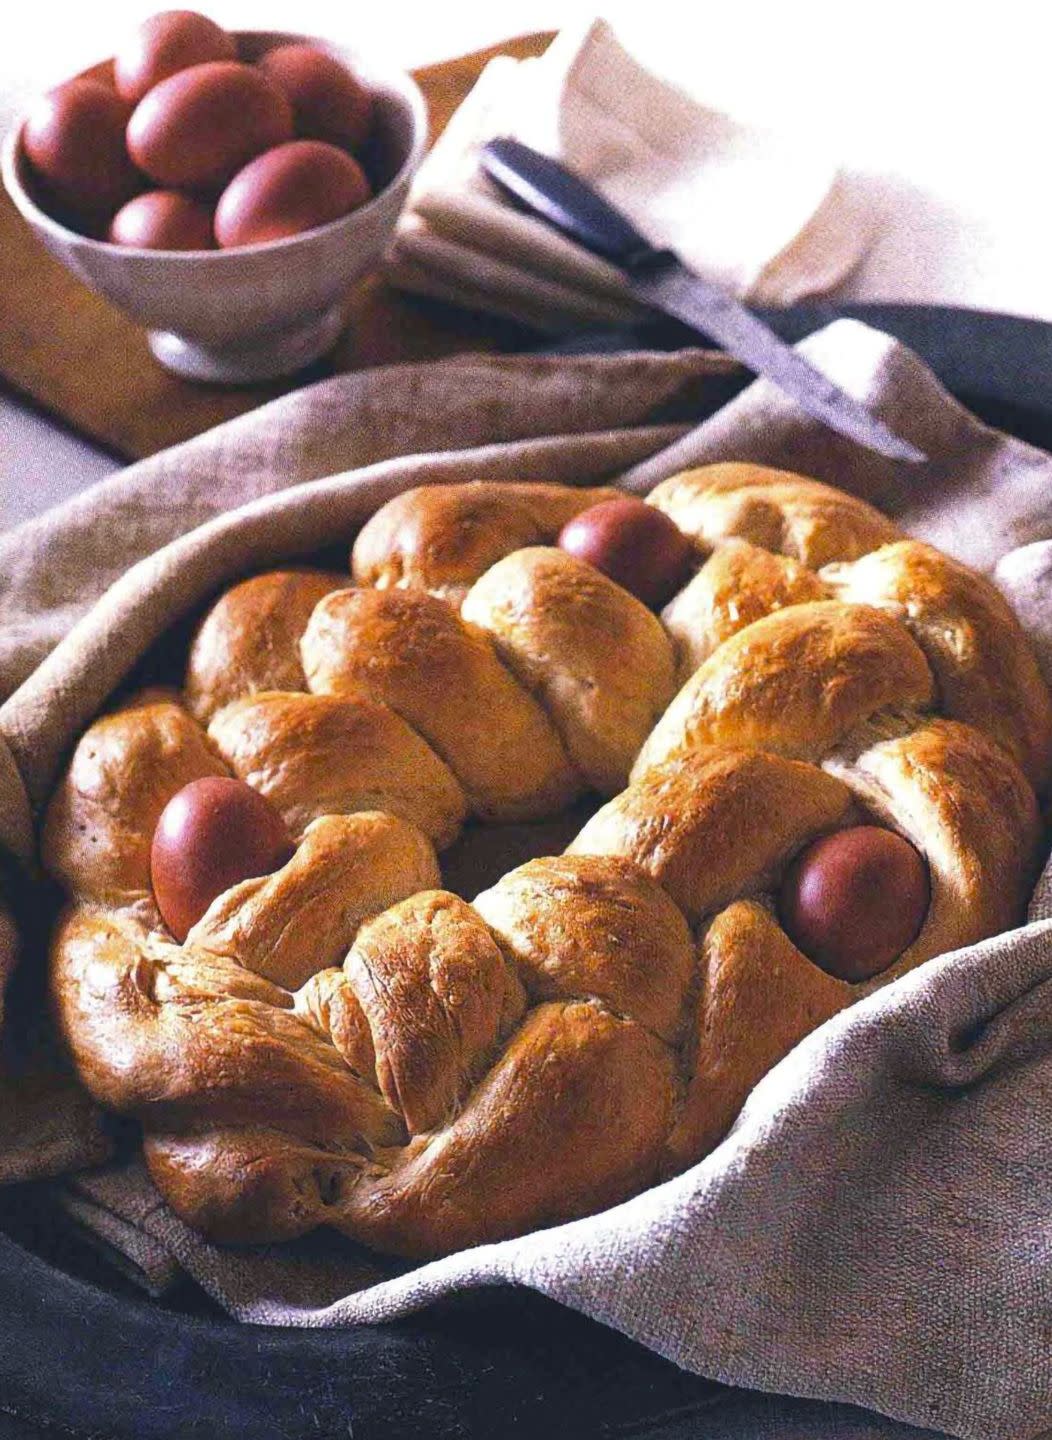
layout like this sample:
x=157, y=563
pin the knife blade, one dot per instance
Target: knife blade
x=660, y=279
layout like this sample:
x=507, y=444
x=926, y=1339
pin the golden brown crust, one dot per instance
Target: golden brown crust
x=314, y=755
x=778, y=511
x=443, y=537
x=739, y=583
x=438, y=996
x=328, y=1003
x=969, y=810
x=303, y=917
x=578, y=1097
x=597, y=659
x=250, y=1183
x=249, y=639
x=182, y=1037
x=413, y=653
x=759, y=997
x=447, y=1073
x=100, y=821
x=590, y=925
x=984, y=668
x=794, y=683
x=569, y=1120
x=714, y=824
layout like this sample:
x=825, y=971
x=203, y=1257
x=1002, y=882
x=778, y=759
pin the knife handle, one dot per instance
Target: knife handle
x=557, y=195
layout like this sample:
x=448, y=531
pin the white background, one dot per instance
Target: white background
x=942, y=114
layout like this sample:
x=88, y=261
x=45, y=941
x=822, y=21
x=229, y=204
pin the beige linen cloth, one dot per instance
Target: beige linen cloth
x=765, y=213
x=875, y=1229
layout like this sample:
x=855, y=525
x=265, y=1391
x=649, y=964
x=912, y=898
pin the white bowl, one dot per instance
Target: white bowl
x=263, y=310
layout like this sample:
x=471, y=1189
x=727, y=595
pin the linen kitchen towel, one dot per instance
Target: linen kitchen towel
x=874, y=1229
x=766, y=213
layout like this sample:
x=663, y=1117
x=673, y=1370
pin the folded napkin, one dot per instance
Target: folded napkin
x=765, y=213
x=874, y=1229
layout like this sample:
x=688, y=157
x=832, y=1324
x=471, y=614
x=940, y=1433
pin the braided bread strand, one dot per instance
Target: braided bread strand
x=343, y=1042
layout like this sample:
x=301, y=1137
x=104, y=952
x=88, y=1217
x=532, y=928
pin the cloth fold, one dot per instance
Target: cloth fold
x=874, y=1229
x=767, y=214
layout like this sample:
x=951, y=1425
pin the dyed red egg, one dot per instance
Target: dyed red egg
x=328, y=101
x=163, y=220
x=74, y=140
x=212, y=834
x=200, y=126
x=633, y=543
x=855, y=900
x=165, y=44
x=290, y=189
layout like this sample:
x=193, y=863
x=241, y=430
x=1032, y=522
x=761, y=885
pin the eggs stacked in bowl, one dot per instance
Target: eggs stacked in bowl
x=223, y=190
x=192, y=147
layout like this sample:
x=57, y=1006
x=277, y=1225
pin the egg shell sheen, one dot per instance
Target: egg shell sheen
x=163, y=220
x=198, y=128
x=164, y=44
x=854, y=900
x=634, y=544
x=212, y=834
x=328, y=101
x=74, y=140
x=288, y=190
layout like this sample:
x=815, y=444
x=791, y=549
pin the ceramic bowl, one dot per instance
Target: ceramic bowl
x=263, y=310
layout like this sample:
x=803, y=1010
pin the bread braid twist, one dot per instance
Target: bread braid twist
x=343, y=1042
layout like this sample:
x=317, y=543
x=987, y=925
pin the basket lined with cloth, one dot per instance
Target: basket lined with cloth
x=862, y=1130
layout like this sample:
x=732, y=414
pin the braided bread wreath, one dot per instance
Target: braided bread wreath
x=340, y=1041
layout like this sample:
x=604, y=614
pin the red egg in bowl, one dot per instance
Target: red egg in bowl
x=163, y=220
x=329, y=102
x=164, y=44
x=287, y=191
x=73, y=140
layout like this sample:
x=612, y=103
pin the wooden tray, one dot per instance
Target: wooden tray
x=78, y=359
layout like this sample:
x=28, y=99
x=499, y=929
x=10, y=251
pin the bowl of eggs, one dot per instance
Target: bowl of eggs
x=224, y=190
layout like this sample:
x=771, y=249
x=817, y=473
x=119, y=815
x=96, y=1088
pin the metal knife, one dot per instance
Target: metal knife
x=660, y=279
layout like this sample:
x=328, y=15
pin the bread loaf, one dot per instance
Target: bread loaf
x=343, y=1042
